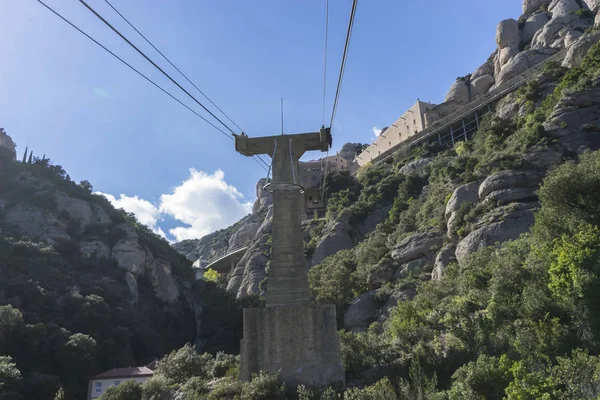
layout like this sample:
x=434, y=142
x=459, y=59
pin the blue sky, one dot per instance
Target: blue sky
x=63, y=96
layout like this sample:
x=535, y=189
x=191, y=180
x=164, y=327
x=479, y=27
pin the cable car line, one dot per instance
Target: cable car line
x=173, y=65
x=344, y=58
x=136, y=71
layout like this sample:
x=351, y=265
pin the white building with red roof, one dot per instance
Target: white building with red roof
x=99, y=383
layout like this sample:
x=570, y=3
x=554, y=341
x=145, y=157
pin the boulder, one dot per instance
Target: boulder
x=416, y=246
x=507, y=196
x=94, y=248
x=458, y=92
x=481, y=85
x=547, y=36
x=375, y=217
x=508, y=107
x=337, y=238
x=35, y=223
x=579, y=49
x=132, y=285
x=531, y=6
x=536, y=56
x=510, y=227
x=463, y=194
x=507, y=53
x=514, y=67
x=561, y=8
x=350, y=150
x=361, y=312
x=379, y=275
x=78, y=210
x=414, y=268
x=507, y=33
x=406, y=293
x=544, y=158
x=593, y=5
x=533, y=25
x=485, y=69
x=416, y=167
x=509, y=180
x=442, y=260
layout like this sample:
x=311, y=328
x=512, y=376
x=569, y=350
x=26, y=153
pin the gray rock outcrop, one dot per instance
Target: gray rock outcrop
x=593, y=5
x=508, y=226
x=561, y=8
x=263, y=198
x=442, y=260
x=361, y=312
x=509, y=180
x=481, y=85
x=531, y=6
x=485, y=69
x=94, y=249
x=579, y=49
x=250, y=271
x=458, y=92
x=416, y=246
x=507, y=33
x=337, y=237
x=416, y=167
x=533, y=25
x=132, y=285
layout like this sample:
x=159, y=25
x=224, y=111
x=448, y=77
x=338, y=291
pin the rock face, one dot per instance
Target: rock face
x=507, y=33
x=35, y=223
x=416, y=246
x=593, y=5
x=442, y=260
x=361, y=313
x=510, y=227
x=485, y=69
x=337, y=237
x=579, y=49
x=533, y=25
x=481, y=85
x=459, y=92
x=250, y=271
x=509, y=180
x=416, y=167
x=263, y=198
x=530, y=6
x=561, y=8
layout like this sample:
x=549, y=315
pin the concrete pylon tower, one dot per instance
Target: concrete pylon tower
x=290, y=336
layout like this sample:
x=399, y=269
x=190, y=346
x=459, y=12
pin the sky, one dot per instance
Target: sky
x=63, y=96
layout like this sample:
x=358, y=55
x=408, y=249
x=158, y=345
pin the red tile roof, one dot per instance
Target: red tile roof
x=125, y=373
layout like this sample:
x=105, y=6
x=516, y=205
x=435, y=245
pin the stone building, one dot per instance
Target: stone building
x=409, y=123
x=98, y=384
x=7, y=147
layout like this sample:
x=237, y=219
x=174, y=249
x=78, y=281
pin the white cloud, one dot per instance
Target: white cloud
x=144, y=211
x=202, y=204
x=205, y=203
x=376, y=131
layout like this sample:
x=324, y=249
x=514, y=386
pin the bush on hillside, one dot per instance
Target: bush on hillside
x=184, y=363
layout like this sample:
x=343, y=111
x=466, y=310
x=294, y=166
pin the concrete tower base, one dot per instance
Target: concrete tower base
x=299, y=342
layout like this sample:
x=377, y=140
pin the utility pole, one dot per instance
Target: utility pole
x=291, y=336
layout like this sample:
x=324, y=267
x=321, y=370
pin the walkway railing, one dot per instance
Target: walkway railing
x=471, y=108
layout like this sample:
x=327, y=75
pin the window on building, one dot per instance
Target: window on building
x=98, y=387
x=115, y=383
x=309, y=198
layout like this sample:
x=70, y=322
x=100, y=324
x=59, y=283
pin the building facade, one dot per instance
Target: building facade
x=98, y=384
x=7, y=147
x=410, y=123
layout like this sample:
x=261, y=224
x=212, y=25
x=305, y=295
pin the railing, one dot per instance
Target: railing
x=471, y=108
x=225, y=253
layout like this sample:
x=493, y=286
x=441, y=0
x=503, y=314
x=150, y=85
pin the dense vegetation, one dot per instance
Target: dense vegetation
x=520, y=321
x=64, y=317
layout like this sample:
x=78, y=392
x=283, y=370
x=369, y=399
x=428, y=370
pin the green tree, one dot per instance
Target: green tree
x=130, y=390
x=11, y=327
x=180, y=365
x=10, y=377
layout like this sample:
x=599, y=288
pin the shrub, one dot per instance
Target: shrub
x=211, y=275
x=263, y=386
x=130, y=390
x=180, y=365
x=224, y=363
x=155, y=388
x=195, y=389
x=226, y=389
x=382, y=390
